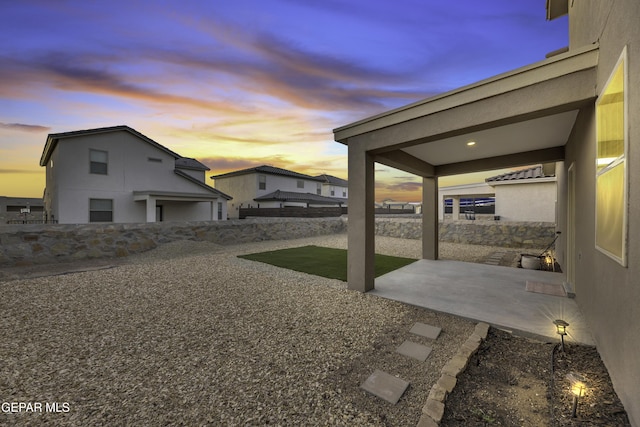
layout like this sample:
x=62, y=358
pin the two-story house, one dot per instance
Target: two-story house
x=116, y=174
x=271, y=187
x=332, y=186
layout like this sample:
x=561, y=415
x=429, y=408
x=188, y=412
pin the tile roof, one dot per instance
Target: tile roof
x=334, y=180
x=189, y=163
x=202, y=184
x=270, y=170
x=292, y=196
x=529, y=173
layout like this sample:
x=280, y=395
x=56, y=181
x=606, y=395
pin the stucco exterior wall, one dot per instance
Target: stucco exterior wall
x=534, y=202
x=129, y=169
x=244, y=189
x=607, y=292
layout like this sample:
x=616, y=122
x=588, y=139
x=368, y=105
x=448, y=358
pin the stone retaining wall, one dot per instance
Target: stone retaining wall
x=492, y=233
x=41, y=244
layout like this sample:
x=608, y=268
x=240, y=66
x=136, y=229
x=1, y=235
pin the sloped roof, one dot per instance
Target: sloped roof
x=292, y=196
x=333, y=180
x=189, y=163
x=53, y=138
x=202, y=184
x=529, y=173
x=269, y=170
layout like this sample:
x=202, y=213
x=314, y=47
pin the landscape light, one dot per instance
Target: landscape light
x=578, y=389
x=561, y=329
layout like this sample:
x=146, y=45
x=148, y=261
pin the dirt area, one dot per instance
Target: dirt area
x=512, y=381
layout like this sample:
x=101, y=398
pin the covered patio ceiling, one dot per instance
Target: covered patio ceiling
x=517, y=118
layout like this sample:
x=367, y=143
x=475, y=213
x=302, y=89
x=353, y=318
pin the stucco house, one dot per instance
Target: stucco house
x=580, y=106
x=271, y=187
x=525, y=195
x=332, y=186
x=26, y=209
x=116, y=174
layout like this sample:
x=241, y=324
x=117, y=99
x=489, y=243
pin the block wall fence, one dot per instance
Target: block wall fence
x=26, y=244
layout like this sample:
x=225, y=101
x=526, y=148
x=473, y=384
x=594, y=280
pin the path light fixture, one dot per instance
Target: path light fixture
x=561, y=329
x=578, y=389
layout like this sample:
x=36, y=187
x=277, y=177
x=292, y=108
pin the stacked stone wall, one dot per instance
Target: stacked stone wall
x=41, y=244
x=491, y=233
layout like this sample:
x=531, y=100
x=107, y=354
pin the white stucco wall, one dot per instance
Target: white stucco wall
x=527, y=201
x=339, y=191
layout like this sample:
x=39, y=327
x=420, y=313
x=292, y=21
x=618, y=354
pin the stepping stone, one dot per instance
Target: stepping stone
x=414, y=350
x=385, y=386
x=427, y=331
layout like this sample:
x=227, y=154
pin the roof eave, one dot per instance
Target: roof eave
x=548, y=69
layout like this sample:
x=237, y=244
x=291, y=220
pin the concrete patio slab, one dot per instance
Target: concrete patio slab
x=427, y=331
x=486, y=293
x=414, y=350
x=385, y=386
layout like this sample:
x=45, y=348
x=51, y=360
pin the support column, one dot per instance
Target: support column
x=430, y=218
x=455, y=212
x=361, y=221
x=151, y=209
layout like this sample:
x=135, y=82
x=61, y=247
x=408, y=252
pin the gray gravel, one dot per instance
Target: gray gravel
x=189, y=334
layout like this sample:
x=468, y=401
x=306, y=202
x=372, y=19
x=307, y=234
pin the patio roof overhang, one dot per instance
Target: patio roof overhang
x=518, y=118
x=173, y=196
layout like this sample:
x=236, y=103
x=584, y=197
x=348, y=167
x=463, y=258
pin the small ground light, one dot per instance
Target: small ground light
x=578, y=389
x=561, y=329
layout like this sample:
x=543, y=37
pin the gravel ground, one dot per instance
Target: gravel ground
x=189, y=334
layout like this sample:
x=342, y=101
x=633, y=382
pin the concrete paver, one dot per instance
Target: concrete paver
x=414, y=350
x=424, y=330
x=385, y=386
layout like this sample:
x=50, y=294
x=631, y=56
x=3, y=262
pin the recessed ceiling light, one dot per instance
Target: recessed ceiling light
x=471, y=143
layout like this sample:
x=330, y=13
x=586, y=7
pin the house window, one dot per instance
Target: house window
x=300, y=183
x=319, y=189
x=344, y=193
x=219, y=210
x=154, y=159
x=100, y=210
x=611, y=175
x=262, y=182
x=333, y=190
x=98, y=162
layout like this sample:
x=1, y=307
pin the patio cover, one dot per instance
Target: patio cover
x=518, y=118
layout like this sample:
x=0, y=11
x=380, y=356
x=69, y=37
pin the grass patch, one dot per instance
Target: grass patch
x=324, y=262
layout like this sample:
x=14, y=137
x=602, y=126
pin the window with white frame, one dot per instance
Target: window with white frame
x=611, y=174
x=332, y=190
x=300, y=183
x=100, y=210
x=318, y=188
x=98, y=162
x=262, y=182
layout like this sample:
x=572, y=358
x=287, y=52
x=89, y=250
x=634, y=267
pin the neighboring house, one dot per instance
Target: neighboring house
x=580, y=107
x=271, y=187
x=21, y=209
x=117, y=174
x=333, y=186
x=526, y=195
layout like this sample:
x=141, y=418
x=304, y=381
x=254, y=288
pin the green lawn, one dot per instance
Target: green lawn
x=325, y=262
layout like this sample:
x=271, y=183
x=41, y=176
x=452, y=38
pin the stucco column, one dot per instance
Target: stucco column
x=151, y=209
x=361, y=225
x=455, y=210
x=430, y=218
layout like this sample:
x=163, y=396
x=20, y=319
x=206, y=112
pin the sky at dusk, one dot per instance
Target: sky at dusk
x=240, y=83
